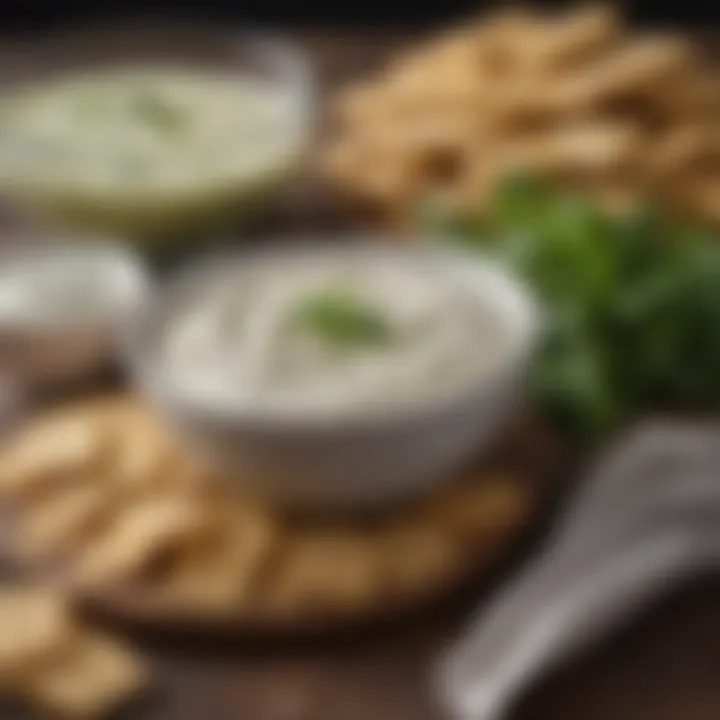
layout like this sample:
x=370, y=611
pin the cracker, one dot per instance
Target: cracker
x=571, y=40
x=705, y=194
x=221, y=573
x=583, y=149
x=321, y=571
x=67, y=521
x=140, y=536
x=414, y=558
x=498, y=506
x=638, y=67
x=94, y=678
x=47, y=454
x=683, y=147
x=56, y=666
x=35, y=629
x=145, y=453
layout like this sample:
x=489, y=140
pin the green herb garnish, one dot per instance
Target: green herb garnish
x=632, y=304
x=341, y=318
x=158, y=112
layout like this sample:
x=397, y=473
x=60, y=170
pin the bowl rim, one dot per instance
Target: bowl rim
x=289, y=51
x=147, y=374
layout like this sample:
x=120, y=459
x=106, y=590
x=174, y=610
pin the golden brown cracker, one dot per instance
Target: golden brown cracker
x=317, y=572
x=139, y=536
x=497, y=505
x=95, y=676
x=35, y=628
x=414, y=558
x=570, y=40
x=68, y=520
x=38, y=459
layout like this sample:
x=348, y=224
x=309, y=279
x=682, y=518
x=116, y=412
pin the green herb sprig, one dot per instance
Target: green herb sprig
x=341, y=318
x=632, y=302
x=159, y=112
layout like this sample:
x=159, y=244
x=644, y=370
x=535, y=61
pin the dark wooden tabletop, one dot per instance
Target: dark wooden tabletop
x=665, y=666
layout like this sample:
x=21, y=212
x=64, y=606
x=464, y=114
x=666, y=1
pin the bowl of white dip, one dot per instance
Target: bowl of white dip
x=178, y=137
x=336, y=376
x=63, y=307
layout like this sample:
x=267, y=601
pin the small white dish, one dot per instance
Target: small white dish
x=352, y=461
x=43, y=341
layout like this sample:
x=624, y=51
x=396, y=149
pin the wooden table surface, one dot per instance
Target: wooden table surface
x=666, y=666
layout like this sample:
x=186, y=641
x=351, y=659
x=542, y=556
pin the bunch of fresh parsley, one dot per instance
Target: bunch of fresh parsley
x=632, y=304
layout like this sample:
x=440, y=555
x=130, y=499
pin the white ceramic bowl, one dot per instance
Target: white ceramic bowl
x=53, y=350
x=148, y=216
x=352, y=462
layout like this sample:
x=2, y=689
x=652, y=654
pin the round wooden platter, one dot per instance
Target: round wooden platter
x=326, y=575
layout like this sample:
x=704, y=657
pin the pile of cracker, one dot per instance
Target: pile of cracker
x=55, y=666
x=104, y=491
x=576, y=98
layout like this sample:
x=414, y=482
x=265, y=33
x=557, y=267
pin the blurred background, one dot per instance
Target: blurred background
x=33, y=13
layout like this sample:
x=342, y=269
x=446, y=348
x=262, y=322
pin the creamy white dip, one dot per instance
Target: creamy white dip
x=144, y=131
x=314, y=333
